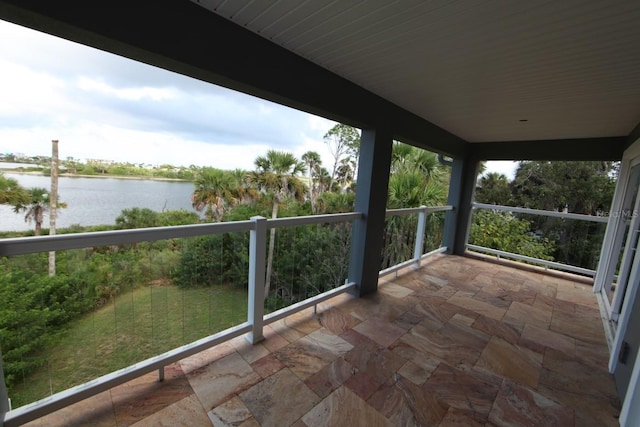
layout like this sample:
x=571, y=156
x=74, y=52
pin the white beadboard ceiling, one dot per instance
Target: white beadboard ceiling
x=477, y=68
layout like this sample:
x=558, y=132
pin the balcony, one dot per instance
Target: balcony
x=461, y=341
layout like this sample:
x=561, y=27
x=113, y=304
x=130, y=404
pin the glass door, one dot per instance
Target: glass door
x=625, y=245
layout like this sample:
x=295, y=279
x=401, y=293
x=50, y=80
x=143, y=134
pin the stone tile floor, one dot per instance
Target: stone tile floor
x=460, y=342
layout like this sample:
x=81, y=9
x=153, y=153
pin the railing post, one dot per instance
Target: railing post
x=257, y=255
x=420, y=229
x=4, y=396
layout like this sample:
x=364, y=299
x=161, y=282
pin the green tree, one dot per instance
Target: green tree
x=314, y=162
x=410, y=188
x=71, y=165
x=578, y=187
x=35, y=206
x=503, y=231
x=137, y=218
x=493, y=188
x=11, y=193
x=277, y=174
x=345, y=173
x=215, y=190
x=343, y=141
x=330, y=202
x=582, y=187
x=407, y=157
x=245, y=192
x=323, y=180
x=177, y=217
x=416, y=179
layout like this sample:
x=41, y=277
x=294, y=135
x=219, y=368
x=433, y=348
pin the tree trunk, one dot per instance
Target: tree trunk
x=313, y=204
x=272, y=245
x=333, y=174
x=53, y=200
x=38, y=219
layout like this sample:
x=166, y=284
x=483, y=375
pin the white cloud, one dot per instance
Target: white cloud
x=104, y=106
x=504, y=167
x=25, y=90
x=133, y=94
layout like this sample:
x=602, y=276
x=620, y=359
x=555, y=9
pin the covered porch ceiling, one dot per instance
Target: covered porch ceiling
x=494, y=79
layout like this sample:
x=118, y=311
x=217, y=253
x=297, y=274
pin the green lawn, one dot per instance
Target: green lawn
x=131, y=327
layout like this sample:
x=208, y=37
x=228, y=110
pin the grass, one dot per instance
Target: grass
x=131, y=327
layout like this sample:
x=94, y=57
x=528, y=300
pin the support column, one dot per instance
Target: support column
x=4, y=396
x=371, y=200
x=462, y=187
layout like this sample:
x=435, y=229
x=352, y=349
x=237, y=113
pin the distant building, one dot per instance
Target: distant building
x=100, y=162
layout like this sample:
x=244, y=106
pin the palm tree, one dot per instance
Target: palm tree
x=313, y=162
x=426, y=162
x=409, y=188
x=344, y=173
x=323, y=179
x=416, y=179
x=408, y=157
x=11, y=193
x=35, y=205
x=246, y=192
x=276, y=173
x=215, y=191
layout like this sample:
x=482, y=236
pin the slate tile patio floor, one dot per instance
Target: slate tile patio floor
x=459, y=342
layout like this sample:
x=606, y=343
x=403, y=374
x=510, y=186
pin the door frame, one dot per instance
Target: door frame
x=628, y=159
x=630, y=240
x=630, y=414
x=615, y=236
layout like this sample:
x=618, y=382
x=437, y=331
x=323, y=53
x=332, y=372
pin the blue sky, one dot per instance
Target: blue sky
x=99, y=105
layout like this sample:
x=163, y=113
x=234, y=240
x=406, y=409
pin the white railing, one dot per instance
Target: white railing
x=257, y=227
x=547, y=264
x=418, y=255
x=256, y=319
x=565, y=215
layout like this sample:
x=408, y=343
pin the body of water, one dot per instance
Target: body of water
x=97, y=201
x=9, y=165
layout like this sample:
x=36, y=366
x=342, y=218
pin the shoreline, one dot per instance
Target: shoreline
x=103, y=176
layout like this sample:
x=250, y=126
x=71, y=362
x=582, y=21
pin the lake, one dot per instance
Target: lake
x=97, y=201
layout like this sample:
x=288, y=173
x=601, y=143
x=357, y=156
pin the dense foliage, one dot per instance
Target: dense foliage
x=35, y=305
x=503, y=231
x=576, y=187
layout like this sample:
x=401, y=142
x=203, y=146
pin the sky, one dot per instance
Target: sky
x=102, y=106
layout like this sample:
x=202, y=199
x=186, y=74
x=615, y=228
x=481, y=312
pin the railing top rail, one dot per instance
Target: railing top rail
x=313, y=219
x=25, y=245
x=426, y=209
x=550, y=264
x=582, y=217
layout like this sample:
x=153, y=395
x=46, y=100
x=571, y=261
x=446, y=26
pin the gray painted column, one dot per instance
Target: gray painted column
x=461, y=191
x=371, y=200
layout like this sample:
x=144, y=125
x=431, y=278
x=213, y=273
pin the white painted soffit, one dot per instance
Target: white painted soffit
x=570, y=68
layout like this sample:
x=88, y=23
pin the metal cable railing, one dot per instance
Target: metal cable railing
x=529, y=259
